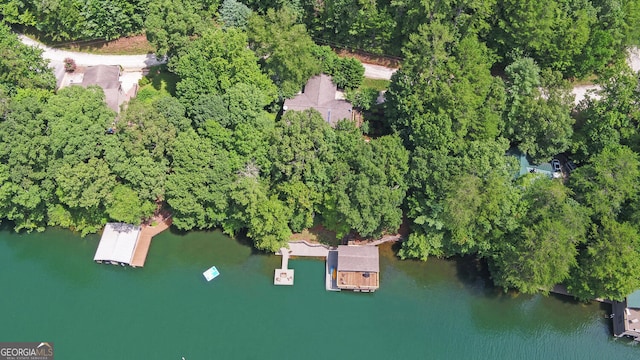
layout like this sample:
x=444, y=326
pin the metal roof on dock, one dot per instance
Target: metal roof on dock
x=117, y=243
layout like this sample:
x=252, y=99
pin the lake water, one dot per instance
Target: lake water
x=51, y=290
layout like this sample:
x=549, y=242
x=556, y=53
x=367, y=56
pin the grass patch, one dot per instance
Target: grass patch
x=161, y=80
x=317, y=234
x=377, y=84
x=589, y=80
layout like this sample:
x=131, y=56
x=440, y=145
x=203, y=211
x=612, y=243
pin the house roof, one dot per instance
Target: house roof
x=117, y=243
x=320, y=93
x=108, y=78
x=358, y=258
x=527, y=167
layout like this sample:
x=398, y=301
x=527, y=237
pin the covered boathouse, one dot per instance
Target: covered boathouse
x=118, y=245
x=358, y=268
x=626, y=317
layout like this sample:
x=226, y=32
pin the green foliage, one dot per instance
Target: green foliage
x=538, y=117
x=421, y=246
x=612, y=120
x=234, y=14
x=64, y=20
x=170, y=24
x=363, y=98
x=367, y=184
x=285, y=48
x=197, y=187
x=25, y=189
x=552, y=32
x=126, y=206
x=22, y=66
x=608, y=182
x=346, y=72
x=214, y=63
x=542, y=250
x=609, y=265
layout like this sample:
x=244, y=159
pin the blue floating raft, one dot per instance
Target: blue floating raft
x=211, y=273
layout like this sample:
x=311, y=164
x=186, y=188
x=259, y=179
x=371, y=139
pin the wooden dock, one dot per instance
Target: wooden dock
x=144, y=241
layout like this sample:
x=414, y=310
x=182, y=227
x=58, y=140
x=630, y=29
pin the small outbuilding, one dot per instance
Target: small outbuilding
x=358, y=268
x=118, y=244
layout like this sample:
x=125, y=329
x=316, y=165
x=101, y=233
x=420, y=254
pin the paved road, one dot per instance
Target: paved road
x=128, y=62
x=138, y=62
x=378, y=72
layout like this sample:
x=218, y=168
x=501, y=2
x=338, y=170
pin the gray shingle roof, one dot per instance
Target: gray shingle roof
x=320, y=93
x=358, y=258
x=108, y=78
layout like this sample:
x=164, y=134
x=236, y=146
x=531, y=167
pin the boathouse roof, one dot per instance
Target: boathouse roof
x=118, y=243
x=358, y=258
x=633, y=300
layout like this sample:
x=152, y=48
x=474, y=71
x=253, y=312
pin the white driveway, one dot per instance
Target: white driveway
x=378, y=72
x=128, y=62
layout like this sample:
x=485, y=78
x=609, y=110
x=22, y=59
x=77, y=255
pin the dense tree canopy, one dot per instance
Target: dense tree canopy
x=21, y=66
x=478, y=78
x=285, y=48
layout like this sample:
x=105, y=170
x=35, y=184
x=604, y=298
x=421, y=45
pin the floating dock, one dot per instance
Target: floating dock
x=284, y=275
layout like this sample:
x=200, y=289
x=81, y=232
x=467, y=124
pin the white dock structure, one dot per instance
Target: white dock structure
x=118, y=244
x=347, y=267
x=284, y=275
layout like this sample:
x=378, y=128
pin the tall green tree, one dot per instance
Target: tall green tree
x=22, y=66
x=614, y=118
x=538, y=116
x=285, y=48
x=608, y=267
x=216, y=61
x=197, y=188
x=553, y=33
x=302, y=151
x=609, y=182
x=25, y=189
x=171, y=23
x=367, y=184
x=541, y=252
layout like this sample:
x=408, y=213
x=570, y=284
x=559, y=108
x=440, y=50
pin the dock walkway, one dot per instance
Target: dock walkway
x=303, y=248
x=284, y=275
x=144, y=241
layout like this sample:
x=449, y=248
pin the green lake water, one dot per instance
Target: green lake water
x=51, y=290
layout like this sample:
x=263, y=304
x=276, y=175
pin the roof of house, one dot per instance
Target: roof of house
x=320, y=93
x=633, y=300
x=358, y=258
x=527, y=167
x=108, y=78
x=118, y=242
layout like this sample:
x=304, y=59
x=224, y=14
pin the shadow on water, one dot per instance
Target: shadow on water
x=59, y=251
x=491, y=308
